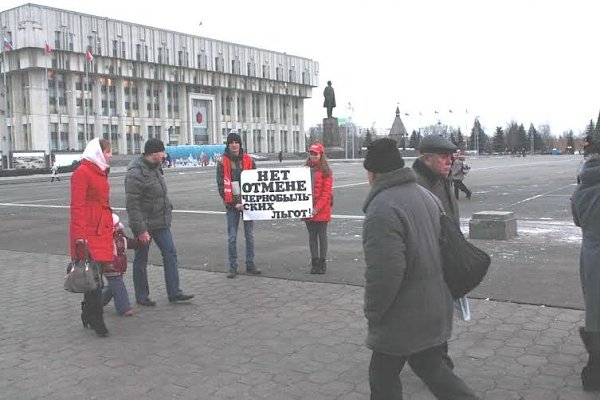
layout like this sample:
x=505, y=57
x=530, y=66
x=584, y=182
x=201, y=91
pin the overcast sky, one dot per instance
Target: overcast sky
x=524, y=60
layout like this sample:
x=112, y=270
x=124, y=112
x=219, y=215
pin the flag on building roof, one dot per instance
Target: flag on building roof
x=89, y=56
x=47, y=48
x=8, y=44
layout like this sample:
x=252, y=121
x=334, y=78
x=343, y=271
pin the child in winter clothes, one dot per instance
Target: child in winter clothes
x=114, y=271
x=322, y=183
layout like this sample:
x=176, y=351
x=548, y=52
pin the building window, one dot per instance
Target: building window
x=57, y=36
x=265, y=72
x=160, y=55
x=235, y=67
x=123, y=53
x=115, y=48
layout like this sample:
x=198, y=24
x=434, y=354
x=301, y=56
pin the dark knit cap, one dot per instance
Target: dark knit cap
x=154, y=145
x=234, y=137
x=383, y=156
x=436, y=144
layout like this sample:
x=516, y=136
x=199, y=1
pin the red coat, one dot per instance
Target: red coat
x=91, y=215
x=322, y=192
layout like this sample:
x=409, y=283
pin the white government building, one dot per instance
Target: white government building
x=143, y=82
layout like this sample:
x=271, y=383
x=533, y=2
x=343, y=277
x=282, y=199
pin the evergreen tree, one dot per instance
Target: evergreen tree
x=415, y=139
x=598, y=126
x=482, y=139
x=570, y=142
x=591, y=130
x=460, y=140
x=512, y=137
x=499, y=142
x=453, y=138
x=523, y=143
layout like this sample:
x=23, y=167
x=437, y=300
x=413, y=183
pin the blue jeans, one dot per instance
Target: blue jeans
x=233, y=222
x=164, y=241
x=116, y=288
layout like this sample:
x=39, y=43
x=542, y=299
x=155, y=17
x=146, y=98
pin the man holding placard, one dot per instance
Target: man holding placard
x=229, y=171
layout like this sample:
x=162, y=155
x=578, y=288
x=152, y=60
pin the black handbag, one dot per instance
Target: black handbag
x=464, y=264
x=82, y=275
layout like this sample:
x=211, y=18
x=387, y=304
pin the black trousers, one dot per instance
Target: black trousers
x=430, y=365
x=460, y=185
x=317, y=238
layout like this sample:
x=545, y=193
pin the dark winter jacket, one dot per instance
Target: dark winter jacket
x=148, y=205
x=585, y=202
x=91, y=215
x=118, y=265
x=438, y=185
x=407, y=303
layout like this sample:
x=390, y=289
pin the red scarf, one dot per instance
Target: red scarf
x=246, y=164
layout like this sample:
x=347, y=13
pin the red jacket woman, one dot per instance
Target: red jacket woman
x=91, y=221
x=91, y=215
x=322, y=179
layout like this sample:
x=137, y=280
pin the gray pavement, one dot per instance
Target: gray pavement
x=255, y=338
x=282, y=336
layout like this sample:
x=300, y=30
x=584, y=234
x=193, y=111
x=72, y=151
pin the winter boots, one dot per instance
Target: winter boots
x=590, y=374
x=318, y=266
x=92, y=312
x=251, y=268
x=314, y=266
x=322, y=266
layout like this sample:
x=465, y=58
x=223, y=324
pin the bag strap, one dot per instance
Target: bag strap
x=435, y=199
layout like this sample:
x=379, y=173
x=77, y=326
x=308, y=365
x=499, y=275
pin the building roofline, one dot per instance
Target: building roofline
x=153, y=27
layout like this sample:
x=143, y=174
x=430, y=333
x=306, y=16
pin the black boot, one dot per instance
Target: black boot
x=84, y=314
x=314, y=265
x=322, y=266
x=590, y=374
x=95, y=312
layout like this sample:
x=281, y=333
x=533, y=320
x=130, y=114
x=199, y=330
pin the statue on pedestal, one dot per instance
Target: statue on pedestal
x=329, y=102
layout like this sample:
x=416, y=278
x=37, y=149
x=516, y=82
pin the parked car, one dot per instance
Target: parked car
x=258, y=157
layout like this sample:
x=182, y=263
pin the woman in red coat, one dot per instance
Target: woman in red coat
x=91, y=222
x=322, y=182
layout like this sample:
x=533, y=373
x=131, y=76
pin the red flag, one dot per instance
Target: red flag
x=47, y=48
x=89, y=56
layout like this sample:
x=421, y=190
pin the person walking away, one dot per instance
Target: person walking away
x=585, y=207
x=229, y=171
x=115, y=270
x=458, y=170
x=150, y=212
x=408, y=305
x=54, y=170
x=91, y=223
x=280, y=156
x=322, y=183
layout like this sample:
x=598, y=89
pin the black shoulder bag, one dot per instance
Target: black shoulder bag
x=464, y=264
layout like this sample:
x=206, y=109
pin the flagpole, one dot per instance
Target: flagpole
x=7, y=113
x=87, y=83
x=48, y=103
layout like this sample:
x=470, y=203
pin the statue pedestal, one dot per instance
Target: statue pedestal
x=332, y=138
